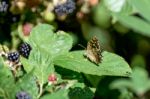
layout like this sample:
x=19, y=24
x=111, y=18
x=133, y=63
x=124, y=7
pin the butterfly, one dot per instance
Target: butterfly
x=93, y=51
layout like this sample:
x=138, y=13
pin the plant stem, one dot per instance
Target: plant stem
x=40, y=90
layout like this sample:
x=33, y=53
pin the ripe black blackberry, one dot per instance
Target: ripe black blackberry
x=65, y=8
x=23, y=95
x=13, y=56
x=24, y=50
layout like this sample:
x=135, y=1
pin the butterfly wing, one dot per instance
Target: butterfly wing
x=93, y=50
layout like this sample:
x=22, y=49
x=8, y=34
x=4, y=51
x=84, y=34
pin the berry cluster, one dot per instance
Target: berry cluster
x=13, y=56
x=65, y=8
x=23, y=95
x=25, y=49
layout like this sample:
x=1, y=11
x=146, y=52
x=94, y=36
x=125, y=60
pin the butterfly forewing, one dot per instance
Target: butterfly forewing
x=93, y=51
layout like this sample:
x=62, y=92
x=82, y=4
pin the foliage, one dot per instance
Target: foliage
x=141, y=25
x=49, y=50
x=55, y=65
x=139, y=83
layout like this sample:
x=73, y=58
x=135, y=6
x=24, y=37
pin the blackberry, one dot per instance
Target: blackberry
x=25, y=49
x=65, y=8
x=13, y=56
x=23, y=95
x=3, y=6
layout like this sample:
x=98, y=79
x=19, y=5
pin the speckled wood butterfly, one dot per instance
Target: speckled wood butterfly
x=93, y=51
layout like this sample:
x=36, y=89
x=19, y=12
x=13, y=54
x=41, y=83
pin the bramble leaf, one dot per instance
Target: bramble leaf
x=41, y=63
x=63, y=94
x=112, y=64
x=42, y=36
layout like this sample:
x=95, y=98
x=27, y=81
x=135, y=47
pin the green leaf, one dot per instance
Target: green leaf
x=61, y=94
x=93, y=79
x=115, y=5
x=140, y=86
x=83, y=86
x=7, y=82
x=45, y=45
x=120, y=84
x=80, y=93
x=41, y=62
x=142, y=6
x=128, y=9
x=139, y=82
x=28, y=84
x=1, y=63
x=135, y=23
x=69, y=74
x=43, y=37
x=112, y=64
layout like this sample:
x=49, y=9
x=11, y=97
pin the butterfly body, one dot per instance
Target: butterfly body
x=93, y=51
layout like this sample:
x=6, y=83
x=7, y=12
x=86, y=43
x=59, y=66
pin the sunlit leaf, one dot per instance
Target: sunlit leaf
x=42, y=36
x=115, y=5
x=111, y=64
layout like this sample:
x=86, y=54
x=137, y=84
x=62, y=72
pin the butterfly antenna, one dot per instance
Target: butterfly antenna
x=81, y=46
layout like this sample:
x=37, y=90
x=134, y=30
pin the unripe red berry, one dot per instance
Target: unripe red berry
x=52, y=79
x=27, y=27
